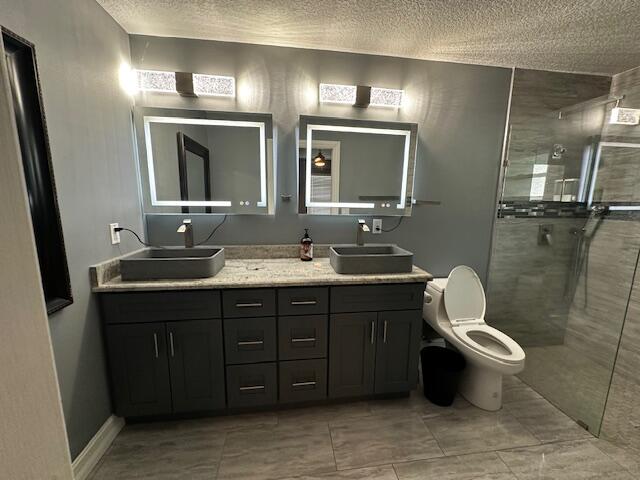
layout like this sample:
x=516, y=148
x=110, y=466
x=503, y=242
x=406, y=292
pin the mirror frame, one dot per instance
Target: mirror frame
x=149, y=119
x=408, y=130
x=143, y=116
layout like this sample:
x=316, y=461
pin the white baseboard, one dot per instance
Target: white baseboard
x=97, y=447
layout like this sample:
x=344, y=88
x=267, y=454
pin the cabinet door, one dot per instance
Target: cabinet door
x=196, y=362
x=351, y=354
x=397, y=349
x=139, y=369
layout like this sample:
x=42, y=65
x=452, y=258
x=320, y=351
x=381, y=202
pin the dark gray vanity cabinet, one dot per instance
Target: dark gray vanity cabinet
x=138, y=359
x=196, y=365
x=251, y=346
x=397, y=351
x=374, y=351
x=195, y=351
x=352, y=354
x=160, y=360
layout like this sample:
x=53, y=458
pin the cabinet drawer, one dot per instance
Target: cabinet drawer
x=303, y=380
x=252, y=385
x=303, y=301
x=160, y=306
x=302, y=337
x=370, y=298
x=250, y=340
x=254, y=302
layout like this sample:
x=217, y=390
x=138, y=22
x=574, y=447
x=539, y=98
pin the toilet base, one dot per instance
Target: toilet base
x=482, y=387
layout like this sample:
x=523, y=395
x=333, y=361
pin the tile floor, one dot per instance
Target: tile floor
x=402, y=439
x=581, y=387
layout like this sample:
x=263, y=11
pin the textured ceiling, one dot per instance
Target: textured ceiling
x=596, y=36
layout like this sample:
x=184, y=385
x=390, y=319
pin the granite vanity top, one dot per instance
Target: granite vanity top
x=254, y=267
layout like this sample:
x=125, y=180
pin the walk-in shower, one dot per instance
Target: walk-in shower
x=565, y=245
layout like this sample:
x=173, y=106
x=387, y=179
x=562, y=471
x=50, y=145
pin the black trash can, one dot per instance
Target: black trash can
x=441, y=370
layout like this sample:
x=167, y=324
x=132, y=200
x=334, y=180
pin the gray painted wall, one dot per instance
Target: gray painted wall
x=79, y=51
x=460, y=110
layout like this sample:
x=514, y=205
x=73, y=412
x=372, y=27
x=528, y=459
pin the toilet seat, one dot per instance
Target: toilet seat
x=466, y=305
x=489, y=341
x=463, y=295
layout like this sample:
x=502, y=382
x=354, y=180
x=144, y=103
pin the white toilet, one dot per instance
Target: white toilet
x=455, y=308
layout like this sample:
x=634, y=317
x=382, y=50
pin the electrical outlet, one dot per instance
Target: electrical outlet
x=115, y=236
x=377, y=225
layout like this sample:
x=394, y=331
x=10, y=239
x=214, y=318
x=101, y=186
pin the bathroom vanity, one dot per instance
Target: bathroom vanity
x=263, y=332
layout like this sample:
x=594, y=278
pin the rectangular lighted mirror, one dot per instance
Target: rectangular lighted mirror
x=355, y=167
x=205, y=162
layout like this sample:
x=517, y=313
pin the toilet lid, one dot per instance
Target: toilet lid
x=490, y=342
x=464, y=295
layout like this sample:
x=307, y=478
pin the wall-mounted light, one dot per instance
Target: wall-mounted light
x=215, y=85
x=185, y=83
x=360, y=95
x=386, y=97
x=330, y=93
x=156, y=81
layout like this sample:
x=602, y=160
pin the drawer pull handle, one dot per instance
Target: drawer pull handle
x=155, y=343
x=303, y=340
x=303, y=384
x=249, y=305
x=384, y=332
x=250, y=342
x=252, y=388
x=303, y=302
x=373, y=331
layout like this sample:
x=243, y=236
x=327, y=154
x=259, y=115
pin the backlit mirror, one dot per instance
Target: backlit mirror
x=205, y=162
x=355, y=167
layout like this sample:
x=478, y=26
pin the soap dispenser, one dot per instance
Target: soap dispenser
x=306, y=247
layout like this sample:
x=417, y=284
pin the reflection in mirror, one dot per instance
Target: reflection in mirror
x=205, y=162
x=355, y=167
x=616, y=176
x=195, y=172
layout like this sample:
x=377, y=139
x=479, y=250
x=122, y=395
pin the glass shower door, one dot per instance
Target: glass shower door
x=560, y=277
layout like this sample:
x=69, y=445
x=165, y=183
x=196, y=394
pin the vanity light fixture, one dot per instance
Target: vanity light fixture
x=360, y=96
x=331, y=93
x=386, y=97
x=156, y=81
x=185, y=83
x=214, y=85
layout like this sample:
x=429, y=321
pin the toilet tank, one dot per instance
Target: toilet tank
x=433, y=310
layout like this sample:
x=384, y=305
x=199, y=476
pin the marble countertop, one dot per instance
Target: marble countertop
x=251, y=273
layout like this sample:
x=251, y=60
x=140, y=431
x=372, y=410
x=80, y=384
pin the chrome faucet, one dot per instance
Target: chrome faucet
x=187, y=229
x=362, y=227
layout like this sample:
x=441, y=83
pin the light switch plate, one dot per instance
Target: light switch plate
x=377, y=225
x=115, y=236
